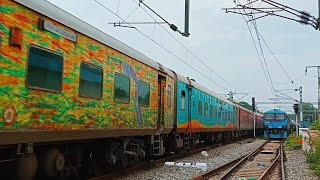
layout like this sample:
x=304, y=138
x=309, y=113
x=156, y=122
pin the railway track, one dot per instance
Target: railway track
x=149, y=165
x=266, y=162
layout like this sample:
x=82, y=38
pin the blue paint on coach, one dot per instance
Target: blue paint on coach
x=183, y=105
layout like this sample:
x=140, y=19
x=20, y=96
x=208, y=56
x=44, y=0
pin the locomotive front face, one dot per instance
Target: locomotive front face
x=275, y=125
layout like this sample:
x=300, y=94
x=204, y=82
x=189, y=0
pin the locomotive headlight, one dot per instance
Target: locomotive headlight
x=284, y=127
x=9, y=115
x=265, y=126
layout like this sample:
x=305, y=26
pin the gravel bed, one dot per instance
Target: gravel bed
x=297, y=167
x=217, y=157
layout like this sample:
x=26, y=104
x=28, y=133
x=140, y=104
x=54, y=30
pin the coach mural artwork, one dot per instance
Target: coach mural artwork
x=128, y=70
x=38, y=109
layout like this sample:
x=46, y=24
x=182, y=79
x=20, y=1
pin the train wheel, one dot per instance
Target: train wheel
x=53, y=162
x=125, y=161
x=27, y=167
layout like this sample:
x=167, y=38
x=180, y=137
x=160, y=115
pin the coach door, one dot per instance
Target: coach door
x=189, y=102
x=161, y=97
x=184, y=105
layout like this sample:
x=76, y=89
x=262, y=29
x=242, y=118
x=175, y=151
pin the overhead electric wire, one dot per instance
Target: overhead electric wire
x=277, y=60
x=254, y=43
x=254, y=23
x=131, y=13
x=264, y=58
x=186, y=48
x=259, y=35
x=290, y=80
x=161, y=46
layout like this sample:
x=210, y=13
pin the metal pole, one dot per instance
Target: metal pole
x=318, y=111
x=254, y=108
x=301, y=105
x=186, y=23
x=297, y=130
x=319, y=15
x=254, y=124
x=318, y=91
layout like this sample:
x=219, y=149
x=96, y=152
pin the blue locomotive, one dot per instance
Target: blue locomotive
x=275, y=124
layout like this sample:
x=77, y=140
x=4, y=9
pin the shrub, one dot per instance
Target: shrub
x=294, y=142
x=314, y=159
x=315, y=126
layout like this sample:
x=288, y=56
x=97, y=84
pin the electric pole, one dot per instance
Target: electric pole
x=254, y=117
x=186, y=23
x=301, y=105
x=319, y=15
x=296, y=110
x=318, y=111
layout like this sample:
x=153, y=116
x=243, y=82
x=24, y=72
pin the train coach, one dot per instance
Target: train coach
x=204, y=116
x=67, y=90
x=77, y=102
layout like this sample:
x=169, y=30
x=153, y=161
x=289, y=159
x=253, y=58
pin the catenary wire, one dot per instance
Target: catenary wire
x=161, y=46
x=187, y=49
x=254, y=23
x=259, y=57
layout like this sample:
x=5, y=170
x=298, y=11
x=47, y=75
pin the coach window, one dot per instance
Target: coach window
x=144, y=93
x=183, y=100
x=205, y=109
x=44, y=71
x=215, y=112
x=211, y=111
x=200, y=108
x=90, y=81
x=169, y=96
x=121, y=88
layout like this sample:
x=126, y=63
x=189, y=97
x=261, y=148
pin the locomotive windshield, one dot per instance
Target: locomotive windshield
x=275, y=116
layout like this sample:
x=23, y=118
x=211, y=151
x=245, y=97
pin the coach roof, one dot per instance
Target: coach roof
x=57, y=14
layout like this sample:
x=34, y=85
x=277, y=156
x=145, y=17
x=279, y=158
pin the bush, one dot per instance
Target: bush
x=315, y=126
x=294, y=142
x=314, y=159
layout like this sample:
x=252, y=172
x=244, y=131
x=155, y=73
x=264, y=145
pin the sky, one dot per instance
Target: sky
x=220, y=40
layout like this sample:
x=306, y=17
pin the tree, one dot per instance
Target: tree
x=245, y=105
x=309, y=112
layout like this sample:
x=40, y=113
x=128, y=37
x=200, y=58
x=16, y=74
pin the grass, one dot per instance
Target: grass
x=314, y=157
x=294, y=142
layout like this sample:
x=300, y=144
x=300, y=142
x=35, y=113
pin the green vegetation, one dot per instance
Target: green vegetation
x=246, y=105
x=314, y=157
x=315, y=126
x=309, y=112
x=294, y=142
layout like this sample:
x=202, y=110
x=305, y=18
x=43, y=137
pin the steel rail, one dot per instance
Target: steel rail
x=283, y=175
x=208, y=174
x=272, y=166
x=150, y=165
x=237, y=166
x=278, y=160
